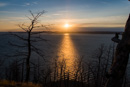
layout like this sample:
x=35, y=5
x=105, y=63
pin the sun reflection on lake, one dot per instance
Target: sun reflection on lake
x=66, y=34
x=68, y=53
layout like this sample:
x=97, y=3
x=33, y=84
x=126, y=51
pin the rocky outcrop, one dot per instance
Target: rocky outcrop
x=118, y=68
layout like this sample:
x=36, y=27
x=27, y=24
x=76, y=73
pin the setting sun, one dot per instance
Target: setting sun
x=66, y=25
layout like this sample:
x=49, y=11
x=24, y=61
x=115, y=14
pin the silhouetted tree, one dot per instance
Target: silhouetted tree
x=30, y=36
x=13, y=71
x=1, y=66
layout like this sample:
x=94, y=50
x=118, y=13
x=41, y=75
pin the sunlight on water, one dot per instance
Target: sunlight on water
x=67, y=54
x=66, y=34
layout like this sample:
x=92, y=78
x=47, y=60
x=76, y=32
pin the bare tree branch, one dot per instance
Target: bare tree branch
x=16, y=45
x=21, y=26
x=21, y=38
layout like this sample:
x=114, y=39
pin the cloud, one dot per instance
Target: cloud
x=106, y=3
x=110, y=21
x=3, y=4
x=102, y=24
x=57, y=14
x=35, y=3
x=7, y=12
x=32, y=3
x=27, y=4
x=13, y=19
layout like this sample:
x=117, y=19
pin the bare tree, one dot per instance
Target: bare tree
x=30, y=38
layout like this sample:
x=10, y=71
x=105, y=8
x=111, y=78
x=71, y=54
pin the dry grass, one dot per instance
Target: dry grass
x=5, y=83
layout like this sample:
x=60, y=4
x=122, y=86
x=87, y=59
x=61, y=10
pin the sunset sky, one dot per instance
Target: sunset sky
x=77, y=13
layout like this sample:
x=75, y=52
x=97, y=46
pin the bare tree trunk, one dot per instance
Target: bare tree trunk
x=118, y=68
x=22, y=77
x=28, y=59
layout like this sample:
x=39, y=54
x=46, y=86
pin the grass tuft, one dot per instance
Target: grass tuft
x=6, y=83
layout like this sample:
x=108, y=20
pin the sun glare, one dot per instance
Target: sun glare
x=66, y=25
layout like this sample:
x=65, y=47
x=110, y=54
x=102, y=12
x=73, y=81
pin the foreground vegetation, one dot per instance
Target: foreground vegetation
x=91, y=73
x=6, y=83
